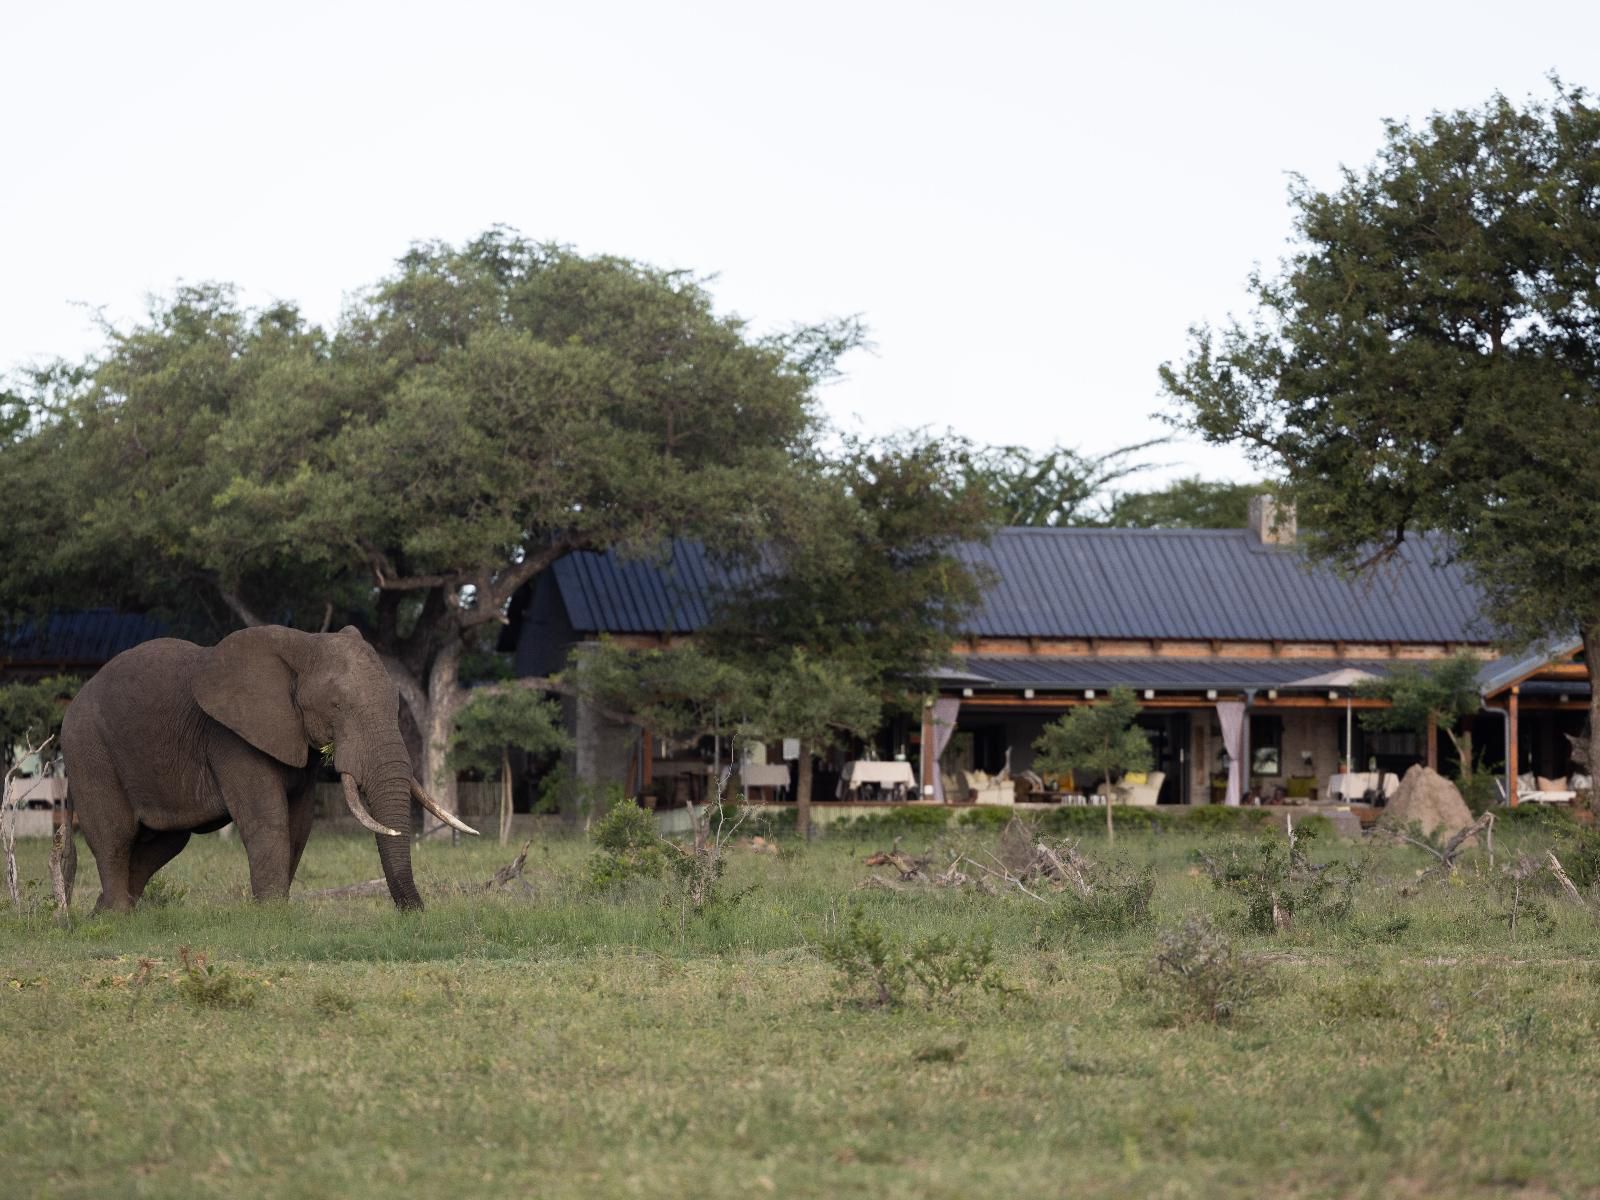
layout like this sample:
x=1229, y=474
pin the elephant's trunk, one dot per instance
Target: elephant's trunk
x=385, y=784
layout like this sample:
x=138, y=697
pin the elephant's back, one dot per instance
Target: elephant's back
x=139, y=685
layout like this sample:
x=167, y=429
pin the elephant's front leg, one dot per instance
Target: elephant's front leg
x=253, y=791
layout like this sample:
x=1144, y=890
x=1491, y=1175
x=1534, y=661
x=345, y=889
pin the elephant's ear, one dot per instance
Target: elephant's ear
x=249, y=686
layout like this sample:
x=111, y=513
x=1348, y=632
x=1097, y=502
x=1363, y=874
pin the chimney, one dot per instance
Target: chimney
x=1271, y=522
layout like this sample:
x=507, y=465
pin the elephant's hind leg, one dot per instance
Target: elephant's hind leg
x=107, y=823
x=152, y=850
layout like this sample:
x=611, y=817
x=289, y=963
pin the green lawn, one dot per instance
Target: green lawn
x=557, y=1044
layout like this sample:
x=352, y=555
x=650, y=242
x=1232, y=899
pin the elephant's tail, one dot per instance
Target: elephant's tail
x=64, y=856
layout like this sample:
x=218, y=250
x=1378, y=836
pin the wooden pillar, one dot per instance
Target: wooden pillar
x=1433, y=742
x=926, y=765
x=1511, y=748
x=649, y=760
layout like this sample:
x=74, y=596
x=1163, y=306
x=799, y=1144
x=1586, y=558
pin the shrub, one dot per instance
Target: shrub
x=1221, y=818
x=1197, y=974
x=627, y=847
x=1580, y=854
x=992, y=817
x=211, y=986
x=1119, y=900
x=891, y=822
x=1278, y=883
x=1533, y=816
x=160, y=893
x=875, y=970
x=331, y=1002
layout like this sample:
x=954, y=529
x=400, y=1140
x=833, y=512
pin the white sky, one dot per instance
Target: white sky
x=1029, y=203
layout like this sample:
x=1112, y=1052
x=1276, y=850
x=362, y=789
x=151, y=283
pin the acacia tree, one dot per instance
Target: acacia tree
x=1428, y=359
x=1192, y=503
x=851, y=621
x=475, y=416
x=1100, y=737
x=1053, y=487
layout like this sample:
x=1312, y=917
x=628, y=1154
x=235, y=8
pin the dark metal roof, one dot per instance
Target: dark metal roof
x=1105, y=583
x=1048, y=673
x=1497, y=674
x=1224, y=584
x=89, y=638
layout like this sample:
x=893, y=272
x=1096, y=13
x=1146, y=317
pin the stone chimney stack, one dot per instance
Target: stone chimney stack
x=1271, y=522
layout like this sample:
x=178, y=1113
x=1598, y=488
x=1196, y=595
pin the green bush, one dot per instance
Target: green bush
x=1278, y=883
x=1197, y=974
x=209, y=986
x=989, y=816
x=890, y=822
x=1579, y=851
x=1119, y=901
x=1222, y=818
x=627, y=847
x=875, y=970
x=1533, y=816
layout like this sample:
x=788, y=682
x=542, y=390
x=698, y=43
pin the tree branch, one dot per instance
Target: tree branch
x=236, y=603
x=543, y=683
x=390, y=580
x=492, y=600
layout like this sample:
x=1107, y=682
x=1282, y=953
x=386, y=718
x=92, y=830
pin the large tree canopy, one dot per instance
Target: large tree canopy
x=1429, y=358
x=476, y=415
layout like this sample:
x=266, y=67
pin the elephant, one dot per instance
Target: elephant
x=170, y=739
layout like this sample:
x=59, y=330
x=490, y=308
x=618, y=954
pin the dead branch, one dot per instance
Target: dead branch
x=1451, y=850
x=63, y=868
x=8, y=820
x=1568, y=888
x=1010, y=880
x=512, y=870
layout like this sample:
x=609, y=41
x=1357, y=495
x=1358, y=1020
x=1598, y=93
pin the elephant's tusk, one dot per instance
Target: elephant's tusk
x=353, y=799
x=432, y=805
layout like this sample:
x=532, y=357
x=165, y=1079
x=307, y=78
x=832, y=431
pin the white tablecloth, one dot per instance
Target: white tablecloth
x=884, y=774
x=765, y=775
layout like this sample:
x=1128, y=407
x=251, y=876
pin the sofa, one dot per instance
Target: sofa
x=984, y=788
x=1145, y=794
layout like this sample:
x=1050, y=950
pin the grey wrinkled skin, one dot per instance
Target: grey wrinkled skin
x=171, y=739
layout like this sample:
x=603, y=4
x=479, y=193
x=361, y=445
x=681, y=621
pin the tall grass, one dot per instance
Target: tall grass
x=565, y=1044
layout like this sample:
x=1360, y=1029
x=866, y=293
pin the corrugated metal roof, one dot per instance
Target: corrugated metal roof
x=1500, y=673
x=1106, y=583
x=1049, y=673
x=91, y=637
x=1202, y=584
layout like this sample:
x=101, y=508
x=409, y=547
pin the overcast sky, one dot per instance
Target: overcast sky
x=1028, y=203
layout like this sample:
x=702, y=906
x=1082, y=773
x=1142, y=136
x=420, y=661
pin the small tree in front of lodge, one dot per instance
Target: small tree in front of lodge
x=1100, y=738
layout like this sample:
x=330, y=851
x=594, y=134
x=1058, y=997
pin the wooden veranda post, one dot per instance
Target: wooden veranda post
x=1433, y=742
x=926, y=764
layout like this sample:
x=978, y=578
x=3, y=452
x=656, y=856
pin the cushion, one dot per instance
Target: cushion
x=1136, y=777
x=1525, y=783
x=1581, y=783
x=1552, y=785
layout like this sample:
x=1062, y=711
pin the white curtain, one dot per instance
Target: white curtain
x=944, y=726
x=1231, y=715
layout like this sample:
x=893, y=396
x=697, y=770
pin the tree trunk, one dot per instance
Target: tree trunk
x=1591, y=658
x=445, y=697
x=802, y=794
x=505, y=795
x=1111, y=832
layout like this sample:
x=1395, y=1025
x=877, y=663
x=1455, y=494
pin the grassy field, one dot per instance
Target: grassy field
x=556, y=1043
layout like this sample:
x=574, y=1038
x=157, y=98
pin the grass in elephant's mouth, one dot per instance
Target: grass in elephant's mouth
x=558, y=1045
